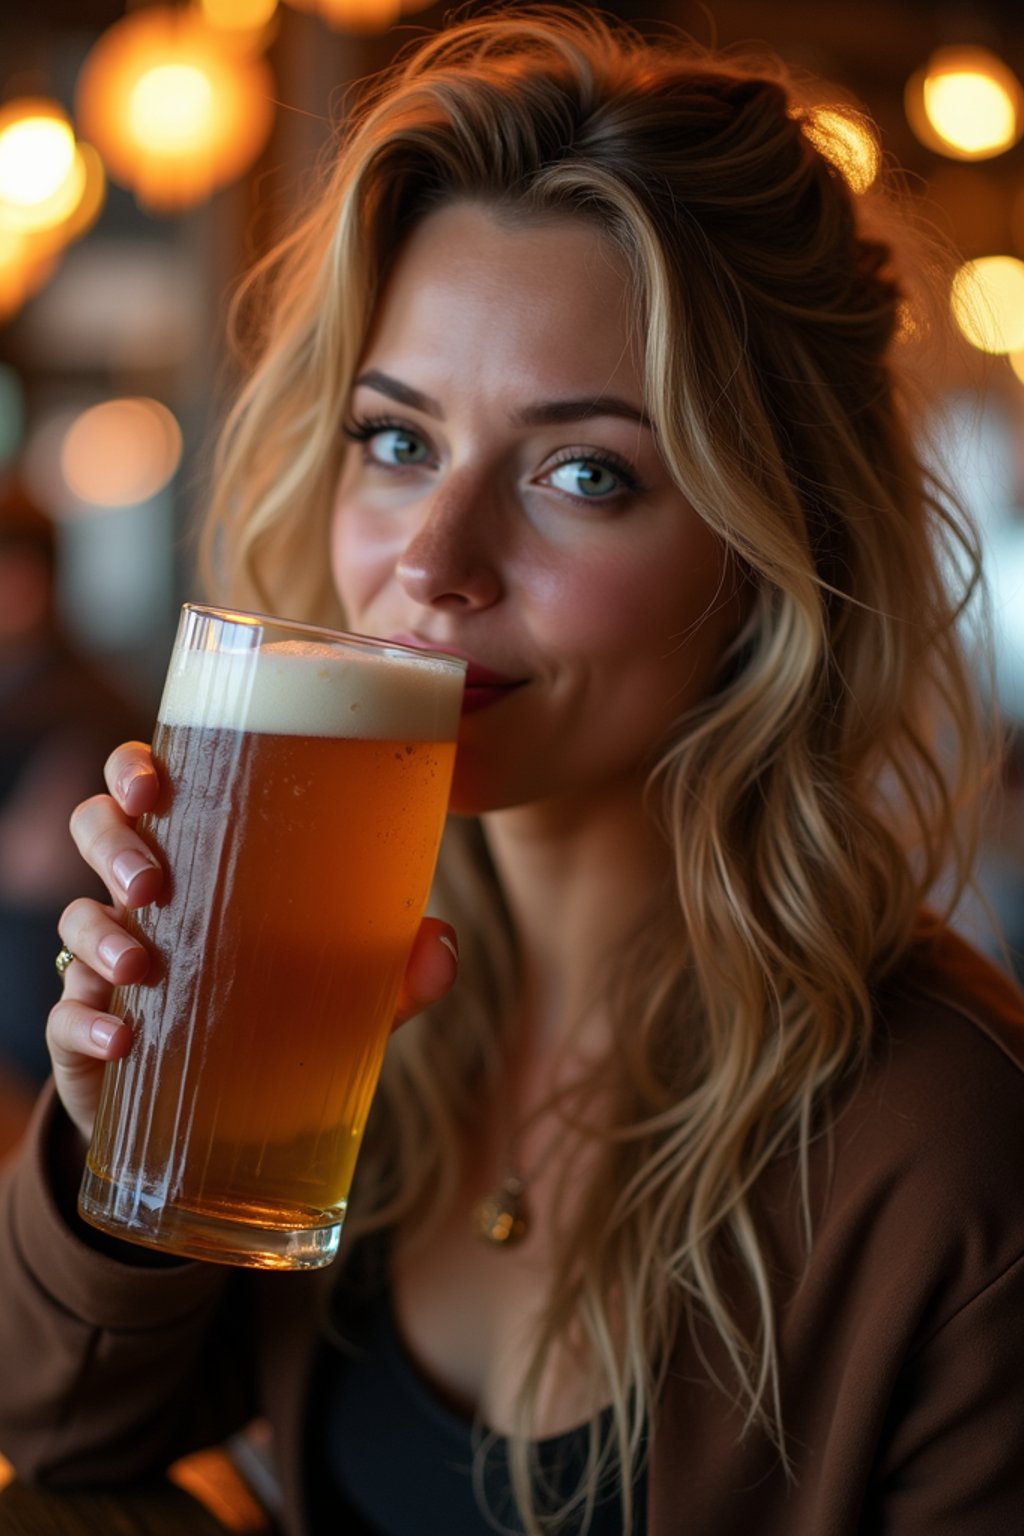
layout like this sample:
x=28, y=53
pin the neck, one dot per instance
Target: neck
x=578, y=882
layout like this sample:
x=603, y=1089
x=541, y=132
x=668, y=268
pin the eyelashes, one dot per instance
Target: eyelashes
x=600, y=459
x=360, y=429
x=406, y=443
x=579, y=474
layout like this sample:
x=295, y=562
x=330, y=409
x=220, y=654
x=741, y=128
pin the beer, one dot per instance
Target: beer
x=304, y=795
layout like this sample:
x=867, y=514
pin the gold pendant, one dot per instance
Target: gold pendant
x=500, y=1218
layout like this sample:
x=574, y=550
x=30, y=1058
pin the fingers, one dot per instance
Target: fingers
x=100, y=945
x=110, y=845
x=104, y=955
x=132, y=778
x=432, y=969
x=103, y=832
x=81, y=1034
x=81, y=1040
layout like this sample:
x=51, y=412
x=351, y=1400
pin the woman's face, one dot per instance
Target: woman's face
x=504, y=498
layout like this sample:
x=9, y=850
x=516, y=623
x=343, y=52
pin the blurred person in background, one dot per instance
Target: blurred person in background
x=59, y=716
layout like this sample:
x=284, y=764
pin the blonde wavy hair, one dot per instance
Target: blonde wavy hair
x=810, y=803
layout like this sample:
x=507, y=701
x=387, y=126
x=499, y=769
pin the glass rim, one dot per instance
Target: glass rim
x=347, y=637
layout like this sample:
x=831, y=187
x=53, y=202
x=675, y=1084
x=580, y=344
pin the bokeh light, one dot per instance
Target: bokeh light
x=37, y=154
x=239, y=15
x=354, y=15
x=54, y=212
x=971, y=112
x=171, y=108
x=83, y=215
x=32, y=240
x=175, y=107
x=965, y=103
x=987, y=299
x=120, y=452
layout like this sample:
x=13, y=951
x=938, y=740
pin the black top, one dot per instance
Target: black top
x=395, y=1460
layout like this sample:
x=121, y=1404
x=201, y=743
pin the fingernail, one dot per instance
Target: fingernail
x=128, y=778
x=101, y=1032
x=113, y=947
x=450, y=944
x=129, y=866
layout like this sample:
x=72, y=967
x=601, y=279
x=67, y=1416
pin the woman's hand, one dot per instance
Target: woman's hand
x=82, y=1034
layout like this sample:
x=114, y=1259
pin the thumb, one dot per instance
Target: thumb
x=432, y=968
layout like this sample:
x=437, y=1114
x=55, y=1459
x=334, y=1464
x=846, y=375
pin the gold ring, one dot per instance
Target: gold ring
x=63, y=960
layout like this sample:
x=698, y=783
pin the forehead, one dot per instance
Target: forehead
x=491, y=291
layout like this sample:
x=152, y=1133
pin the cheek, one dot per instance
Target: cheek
x=361, y=556
x=622, y=607
x=592, y=592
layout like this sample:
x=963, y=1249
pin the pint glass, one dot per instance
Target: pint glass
x=304, y=783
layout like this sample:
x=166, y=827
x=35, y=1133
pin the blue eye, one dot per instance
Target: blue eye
x=388, y=443
x=588, y=479
x=395, y=445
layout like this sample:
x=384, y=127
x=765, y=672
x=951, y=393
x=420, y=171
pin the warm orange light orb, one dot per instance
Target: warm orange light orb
x=239, y=15
x=171, y=109
x=37, y=153
x=49, y=213
x=355, y=15
x=121, y=452
x=51, y=192
x=965, y=103
x=69, y=213
x=87, y=209
x=987, y=299
x=175, y=110
x=43, y=172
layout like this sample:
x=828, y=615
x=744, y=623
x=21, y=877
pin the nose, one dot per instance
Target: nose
x=452, y=557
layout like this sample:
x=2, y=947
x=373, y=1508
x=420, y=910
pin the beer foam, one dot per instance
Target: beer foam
x=305, y=688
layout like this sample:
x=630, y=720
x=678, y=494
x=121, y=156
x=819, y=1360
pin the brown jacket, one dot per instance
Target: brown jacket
x=901, y=1339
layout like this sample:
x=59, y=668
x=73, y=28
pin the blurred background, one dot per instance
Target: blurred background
x=149, y=153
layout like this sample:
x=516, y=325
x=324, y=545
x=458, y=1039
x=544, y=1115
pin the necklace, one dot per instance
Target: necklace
x=501, y=1218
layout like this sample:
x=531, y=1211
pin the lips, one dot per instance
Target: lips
x=484, y=686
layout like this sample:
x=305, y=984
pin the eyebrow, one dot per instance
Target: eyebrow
x=404, y=394
x=551, y=413
x=545, y=413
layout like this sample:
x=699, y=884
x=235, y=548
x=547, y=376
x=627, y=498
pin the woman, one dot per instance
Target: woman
x=585, y=367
